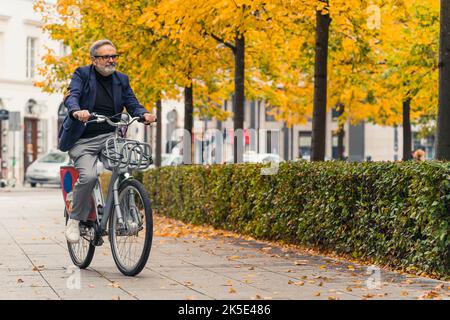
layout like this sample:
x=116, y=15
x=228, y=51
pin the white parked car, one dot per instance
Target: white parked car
x=45, y=169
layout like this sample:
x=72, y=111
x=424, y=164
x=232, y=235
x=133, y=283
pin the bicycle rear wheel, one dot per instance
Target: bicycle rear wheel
x=81, y=252
x=132, y=241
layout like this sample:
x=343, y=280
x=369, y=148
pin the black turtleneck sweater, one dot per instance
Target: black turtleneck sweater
x=104, y=105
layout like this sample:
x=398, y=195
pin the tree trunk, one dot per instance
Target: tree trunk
x=239, y=97
x=407, y=137
x=340, y=132
x=188, y=124
x=341, y=136
x=320, y=87
x=158, y=134
x=443, y=123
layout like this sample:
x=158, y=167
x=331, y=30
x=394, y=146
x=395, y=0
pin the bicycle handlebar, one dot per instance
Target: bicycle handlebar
x=98, y=118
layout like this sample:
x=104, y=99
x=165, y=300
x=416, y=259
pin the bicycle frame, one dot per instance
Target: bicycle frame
x=112, y=198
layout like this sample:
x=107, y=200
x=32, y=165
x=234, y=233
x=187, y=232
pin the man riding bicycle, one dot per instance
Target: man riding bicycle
x=101, y=89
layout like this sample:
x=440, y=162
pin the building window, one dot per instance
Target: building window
x=334, y=114
x=426, y=144
x=272, y=141
x=334, y=146
x=304, y=144
x=269, y=117
x=31, y=56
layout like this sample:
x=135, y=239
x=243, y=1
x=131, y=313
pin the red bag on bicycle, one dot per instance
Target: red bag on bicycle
x=69, y=176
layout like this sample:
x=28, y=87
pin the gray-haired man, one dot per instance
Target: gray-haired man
x=101, y=89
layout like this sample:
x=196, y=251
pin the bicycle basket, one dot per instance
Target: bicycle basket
x=126, y=153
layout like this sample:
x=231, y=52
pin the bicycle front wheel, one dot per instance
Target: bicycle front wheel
x=131, y=241
x=81, y=252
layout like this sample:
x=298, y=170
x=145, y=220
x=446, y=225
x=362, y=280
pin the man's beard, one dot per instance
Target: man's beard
x=107, y=70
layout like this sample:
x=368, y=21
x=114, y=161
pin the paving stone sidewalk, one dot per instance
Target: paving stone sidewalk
x=35, y=264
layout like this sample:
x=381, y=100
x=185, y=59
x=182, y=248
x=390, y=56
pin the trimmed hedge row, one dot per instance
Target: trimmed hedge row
x=394, y=214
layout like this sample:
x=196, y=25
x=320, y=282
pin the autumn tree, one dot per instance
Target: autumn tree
x=157, y=62
x=243, y=28
x=405, y=89
x=443, y=127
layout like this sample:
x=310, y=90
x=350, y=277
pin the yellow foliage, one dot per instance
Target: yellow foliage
x=381, y=52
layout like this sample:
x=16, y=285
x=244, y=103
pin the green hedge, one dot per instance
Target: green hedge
x=394, y=214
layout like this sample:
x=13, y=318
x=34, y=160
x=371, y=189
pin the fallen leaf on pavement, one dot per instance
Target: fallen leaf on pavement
x=439, y=287
x=299, y=283
x=317, y=294
x=404, y=293
x=430, y=295
x=38, y=268
x=408, y=282
x=114, y=284
x=232, y=290
x=20, y=281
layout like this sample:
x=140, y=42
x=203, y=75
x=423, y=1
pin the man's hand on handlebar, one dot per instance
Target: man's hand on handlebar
x=149, y=118
x=82, y=115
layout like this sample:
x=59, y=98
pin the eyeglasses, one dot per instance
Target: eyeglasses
x=107, y=57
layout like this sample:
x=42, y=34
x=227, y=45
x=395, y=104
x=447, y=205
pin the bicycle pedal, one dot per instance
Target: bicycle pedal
x=98, y=242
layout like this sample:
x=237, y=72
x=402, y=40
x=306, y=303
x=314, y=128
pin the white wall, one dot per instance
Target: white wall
x=17, y=22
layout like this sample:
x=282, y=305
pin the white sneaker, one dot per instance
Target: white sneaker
x=73, y=231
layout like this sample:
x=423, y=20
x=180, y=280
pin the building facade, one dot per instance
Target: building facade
x=31, y=127
x=264, y=134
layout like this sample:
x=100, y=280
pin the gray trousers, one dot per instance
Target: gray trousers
x=85, y=154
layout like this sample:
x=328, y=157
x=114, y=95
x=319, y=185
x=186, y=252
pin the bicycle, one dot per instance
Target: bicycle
x=126, y=216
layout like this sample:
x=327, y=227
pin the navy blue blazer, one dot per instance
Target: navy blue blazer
x=82, y=97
